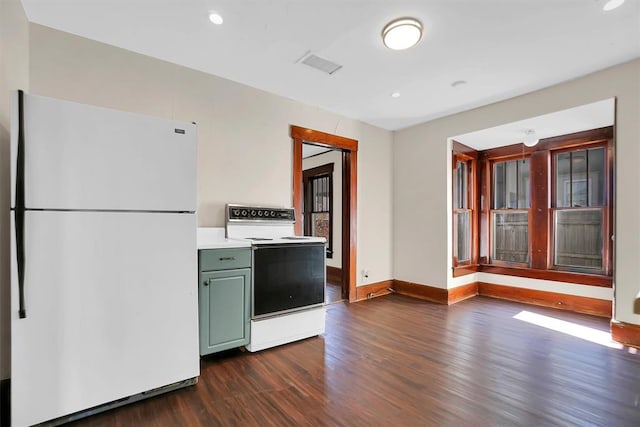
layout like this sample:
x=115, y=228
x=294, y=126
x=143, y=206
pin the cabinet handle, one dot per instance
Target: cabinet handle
x=206, y=283
x=227, y=258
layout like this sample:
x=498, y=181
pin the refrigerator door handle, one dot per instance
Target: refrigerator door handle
x=19, y=206
x=19, y=221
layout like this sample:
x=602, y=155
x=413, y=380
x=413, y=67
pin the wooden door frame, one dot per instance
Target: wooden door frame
x=349, y=148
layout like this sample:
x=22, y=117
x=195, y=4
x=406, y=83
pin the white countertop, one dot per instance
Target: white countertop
x=213, y=238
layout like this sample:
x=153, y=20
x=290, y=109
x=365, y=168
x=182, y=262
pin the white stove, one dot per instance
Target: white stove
x=288, y=275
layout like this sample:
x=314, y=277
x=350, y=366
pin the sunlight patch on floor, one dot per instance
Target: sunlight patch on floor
x=569, y=328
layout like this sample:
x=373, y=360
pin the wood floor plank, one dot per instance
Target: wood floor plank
x=398, y=361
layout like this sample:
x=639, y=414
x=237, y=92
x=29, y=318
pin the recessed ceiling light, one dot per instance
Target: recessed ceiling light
x=612, y=4
x=402, y=33
x=215, y=18
x=458, y=83
x=395, y=95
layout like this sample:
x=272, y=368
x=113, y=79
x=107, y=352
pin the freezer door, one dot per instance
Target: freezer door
x=111, y=310
x=83, y=157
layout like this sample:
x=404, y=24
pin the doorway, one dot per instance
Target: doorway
x=322, y=209
x=347, y=161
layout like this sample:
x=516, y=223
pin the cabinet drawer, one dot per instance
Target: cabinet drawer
x=224, y=259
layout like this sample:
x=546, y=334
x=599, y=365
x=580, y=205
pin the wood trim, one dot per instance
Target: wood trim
x=539, y=218
x=349, y=220
x=323, y=139
x=423, y=292
x=463, y=292
x=334, y=275
x=625, y=333
x=460, y=148
x=349, y=149
x=326, y=169
x=298, y=191
x=464, y=270
x=433, y=294
x=578, y=304
x=373, y=290
x=575, y=139
x=322, y=171
x=554, y=275
x=556, y=142
x=468, y=155
x=575, y=303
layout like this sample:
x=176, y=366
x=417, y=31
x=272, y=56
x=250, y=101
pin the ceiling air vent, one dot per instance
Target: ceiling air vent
x=318, y=63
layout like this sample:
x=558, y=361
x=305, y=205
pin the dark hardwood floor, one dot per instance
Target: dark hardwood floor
x=397, y=361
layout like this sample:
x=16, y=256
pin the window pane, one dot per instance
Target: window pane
x=578, y=238
x=579, y=182
x=320, y=225
x=563, y=180
x=596, y=177
x=511, y=236
x=512, y=185
x=499, y=186
x=321, y=191
x=462, y=180
x=464, y=236
x=523, y=184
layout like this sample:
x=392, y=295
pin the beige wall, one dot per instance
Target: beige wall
x=421, y=193
x=14, y=64
x=334, y=157
x=244, y=148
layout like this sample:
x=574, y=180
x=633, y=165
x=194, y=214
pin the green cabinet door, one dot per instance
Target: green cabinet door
x=224, y=309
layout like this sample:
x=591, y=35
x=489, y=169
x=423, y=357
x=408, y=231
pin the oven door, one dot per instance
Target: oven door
x=287, y=277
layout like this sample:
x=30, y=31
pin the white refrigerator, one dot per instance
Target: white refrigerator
x=104, y=260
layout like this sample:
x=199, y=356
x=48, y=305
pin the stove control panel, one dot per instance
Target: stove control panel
x=259, y=213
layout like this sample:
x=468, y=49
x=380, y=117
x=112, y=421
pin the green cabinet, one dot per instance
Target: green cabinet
x=224, y=297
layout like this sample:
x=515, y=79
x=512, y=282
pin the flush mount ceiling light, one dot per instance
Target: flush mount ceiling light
x=395, y=95
x=215, y=17
x=530, y=138
x=402, y=33
x=612, y=4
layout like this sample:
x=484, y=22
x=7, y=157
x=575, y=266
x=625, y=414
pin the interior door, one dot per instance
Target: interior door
x=111, y=310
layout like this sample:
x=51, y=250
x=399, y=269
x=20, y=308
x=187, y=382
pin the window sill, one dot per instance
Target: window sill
x=463, y=270
x=554, y=275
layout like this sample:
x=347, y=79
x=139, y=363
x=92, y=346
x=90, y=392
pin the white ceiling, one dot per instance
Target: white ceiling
x=309, y=150
x=501, y=48
x=590, y=116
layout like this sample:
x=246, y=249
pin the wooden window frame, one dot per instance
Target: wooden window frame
x=489, y=202
x=607, y=209
x=468, y=155
x=540, y=210
x=308, y=176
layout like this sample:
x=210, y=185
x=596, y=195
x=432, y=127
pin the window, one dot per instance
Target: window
x=580, y=209
x=318, y=203
x=544, y=212
x=510, y=212
x=464, y=217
